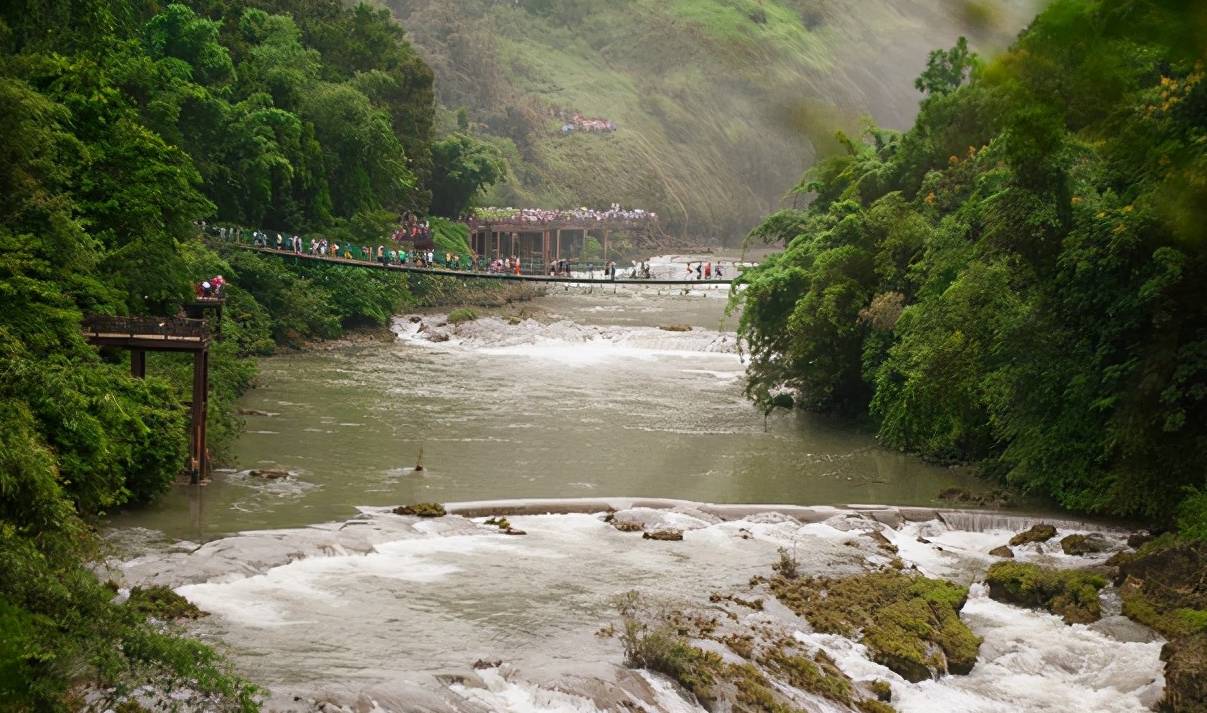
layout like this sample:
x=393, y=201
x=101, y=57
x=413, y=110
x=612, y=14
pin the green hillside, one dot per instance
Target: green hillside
x=720, y=104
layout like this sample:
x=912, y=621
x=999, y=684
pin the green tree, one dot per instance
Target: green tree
x=463, y=167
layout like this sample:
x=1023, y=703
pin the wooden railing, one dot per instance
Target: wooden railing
x=166, y=327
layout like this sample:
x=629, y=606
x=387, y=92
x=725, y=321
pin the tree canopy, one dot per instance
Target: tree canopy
x=1018, y=280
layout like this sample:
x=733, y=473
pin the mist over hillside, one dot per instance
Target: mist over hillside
x=718, y=104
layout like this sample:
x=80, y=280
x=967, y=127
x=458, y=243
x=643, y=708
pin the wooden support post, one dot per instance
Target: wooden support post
x=558, y=254
x=545, y=251
x=198, y=464
x=498, y=244
x=606, y=234
x=138, y=363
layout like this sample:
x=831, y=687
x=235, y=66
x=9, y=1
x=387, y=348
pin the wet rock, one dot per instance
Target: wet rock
x=626, y=525
x=1185, y=674
x=1003, y=551
x=255, y=412
x=882, y=690
x=882, y=543
x=1136, y=540
x=421, y=510
x=1070, y=594
x=675, y=327
x=1080, y=545
x=415, y=319
x=487, y=663
x=269, y=473
x=513, y=531
x=1038, y=533
x=437, y=337
x=668, y=535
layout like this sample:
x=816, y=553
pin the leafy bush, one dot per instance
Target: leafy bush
x=1192, y=516
x=462, y=314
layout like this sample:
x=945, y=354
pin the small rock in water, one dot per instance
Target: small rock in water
x=415, y=319
x=437, y=337
x=269, y=473
x=676, y=328
x=487, y=663
x=1038, y=533
x=255, y=412
x=669, y=535
x=421, y=510
x=513, y=531
x=626, y=525
x=1002, y=551
x=1085, y=544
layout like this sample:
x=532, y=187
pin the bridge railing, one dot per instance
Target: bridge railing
x=166, y=327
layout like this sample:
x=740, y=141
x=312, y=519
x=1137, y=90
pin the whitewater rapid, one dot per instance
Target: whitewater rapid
x=390, y=610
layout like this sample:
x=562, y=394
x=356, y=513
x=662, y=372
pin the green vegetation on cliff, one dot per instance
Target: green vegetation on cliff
x=123, y=124
x=1018, y=280
x=709, y=97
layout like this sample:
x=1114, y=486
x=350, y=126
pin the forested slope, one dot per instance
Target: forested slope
x=1020, y=279
x=719, y=104
x=123, y=124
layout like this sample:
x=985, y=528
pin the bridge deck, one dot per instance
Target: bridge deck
x=484, y=275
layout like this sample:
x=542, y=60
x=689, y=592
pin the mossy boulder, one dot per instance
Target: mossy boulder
x=1164, y=585
x=1037, y=533
x=909, y=623
x=1185, y=674
x=162, y=603
x=462, y=314
x=1004, y=551
x=1071, y=594
x=421, y=510
x=1090, y=544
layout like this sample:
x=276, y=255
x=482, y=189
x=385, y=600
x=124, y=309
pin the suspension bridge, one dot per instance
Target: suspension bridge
x=373, y=264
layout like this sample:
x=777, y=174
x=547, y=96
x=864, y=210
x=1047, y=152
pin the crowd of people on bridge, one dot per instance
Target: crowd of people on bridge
x=401, y=253
x=705, y=270
x=544, y=216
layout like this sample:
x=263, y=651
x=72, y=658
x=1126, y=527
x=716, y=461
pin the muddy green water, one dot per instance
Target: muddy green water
x=589, y=398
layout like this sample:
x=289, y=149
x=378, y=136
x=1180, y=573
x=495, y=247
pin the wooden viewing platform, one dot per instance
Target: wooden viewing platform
x=164, y=334
x=542, y=239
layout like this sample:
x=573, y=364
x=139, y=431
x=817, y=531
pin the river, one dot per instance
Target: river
x=317, y=591
x=584, y=396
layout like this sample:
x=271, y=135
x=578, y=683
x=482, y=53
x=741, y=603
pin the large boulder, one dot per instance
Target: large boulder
x=910, y=624
x=1037, y=533
x=1090, y=544
x=1070, y=594
x=1185, y=674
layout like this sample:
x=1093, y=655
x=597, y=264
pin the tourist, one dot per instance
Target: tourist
x=708, y=271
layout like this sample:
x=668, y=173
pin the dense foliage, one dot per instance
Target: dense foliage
x=1019, y=279
x=123, y=124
